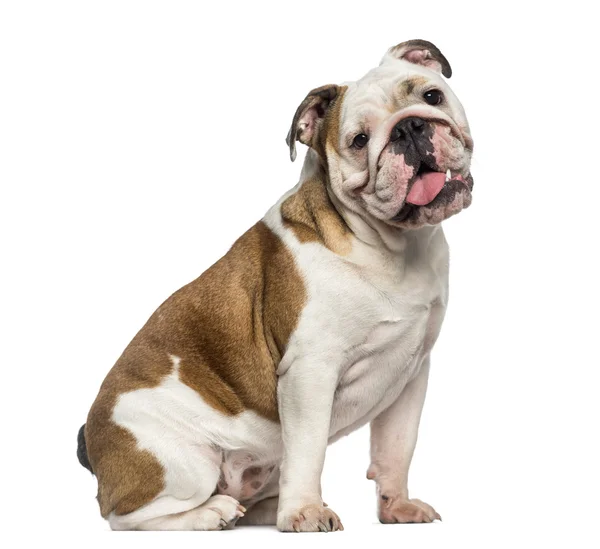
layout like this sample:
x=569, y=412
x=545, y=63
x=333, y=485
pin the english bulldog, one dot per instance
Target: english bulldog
x=320, y=319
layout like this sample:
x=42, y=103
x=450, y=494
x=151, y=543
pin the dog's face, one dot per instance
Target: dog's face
x=396, y=143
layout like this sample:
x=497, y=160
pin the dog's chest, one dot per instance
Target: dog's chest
x=380, y=368
x=388, y=324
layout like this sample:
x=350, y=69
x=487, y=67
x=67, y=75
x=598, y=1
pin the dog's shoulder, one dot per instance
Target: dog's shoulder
x=229, y=328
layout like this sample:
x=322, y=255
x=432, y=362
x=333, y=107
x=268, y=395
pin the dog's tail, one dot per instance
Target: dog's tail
x=82, y=455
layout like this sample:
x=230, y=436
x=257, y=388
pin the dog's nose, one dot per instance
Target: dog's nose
x=411, y=126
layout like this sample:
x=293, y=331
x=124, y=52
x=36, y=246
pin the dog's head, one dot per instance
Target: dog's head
x=396, y=143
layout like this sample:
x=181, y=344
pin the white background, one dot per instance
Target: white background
x=138, y=140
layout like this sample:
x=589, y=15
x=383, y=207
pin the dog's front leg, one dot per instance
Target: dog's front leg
x=305, y=395
x=393, y=441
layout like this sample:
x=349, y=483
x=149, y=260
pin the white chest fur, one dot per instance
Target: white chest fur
x=408, y=309
x=375, y=314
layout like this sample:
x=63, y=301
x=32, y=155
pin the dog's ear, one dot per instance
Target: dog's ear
x=420, y=52
x=309, y=117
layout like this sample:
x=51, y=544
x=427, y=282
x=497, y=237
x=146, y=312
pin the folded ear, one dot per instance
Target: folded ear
x=309, y=117
x=420, y=52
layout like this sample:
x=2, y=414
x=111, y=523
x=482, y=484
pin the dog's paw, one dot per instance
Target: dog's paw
x=219, y=513
x=413, y=510
x=310, y=518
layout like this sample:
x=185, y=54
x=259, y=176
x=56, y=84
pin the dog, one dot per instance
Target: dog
x=320, y=319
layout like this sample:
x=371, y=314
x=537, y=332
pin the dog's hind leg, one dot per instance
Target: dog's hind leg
x=217, y=513
x=188, y=500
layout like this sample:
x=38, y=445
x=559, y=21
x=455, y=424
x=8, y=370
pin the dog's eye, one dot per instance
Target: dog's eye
x=433, y=97
x=360, y=141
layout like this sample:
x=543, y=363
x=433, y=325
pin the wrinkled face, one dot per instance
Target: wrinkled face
x=404, y=147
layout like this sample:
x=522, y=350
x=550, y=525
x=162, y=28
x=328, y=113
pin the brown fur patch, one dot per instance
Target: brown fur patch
x=331, y=124
x=408, y=86
x=313, y=218
x=127, y=477
x=230, y=328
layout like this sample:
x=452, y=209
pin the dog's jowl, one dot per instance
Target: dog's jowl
x=320, y=319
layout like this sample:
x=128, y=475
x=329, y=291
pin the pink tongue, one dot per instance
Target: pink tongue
x=425, y=188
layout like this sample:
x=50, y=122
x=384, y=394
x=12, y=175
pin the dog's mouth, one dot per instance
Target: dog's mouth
x=428, y=187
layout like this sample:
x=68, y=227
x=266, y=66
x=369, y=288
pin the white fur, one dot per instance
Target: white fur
x=216, y=513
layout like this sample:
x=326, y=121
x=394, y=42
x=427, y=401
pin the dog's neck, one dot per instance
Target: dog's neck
x=368, y=230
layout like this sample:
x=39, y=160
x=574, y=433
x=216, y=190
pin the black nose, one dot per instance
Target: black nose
x=409, y=127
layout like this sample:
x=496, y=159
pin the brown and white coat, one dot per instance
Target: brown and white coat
x=318, y=320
